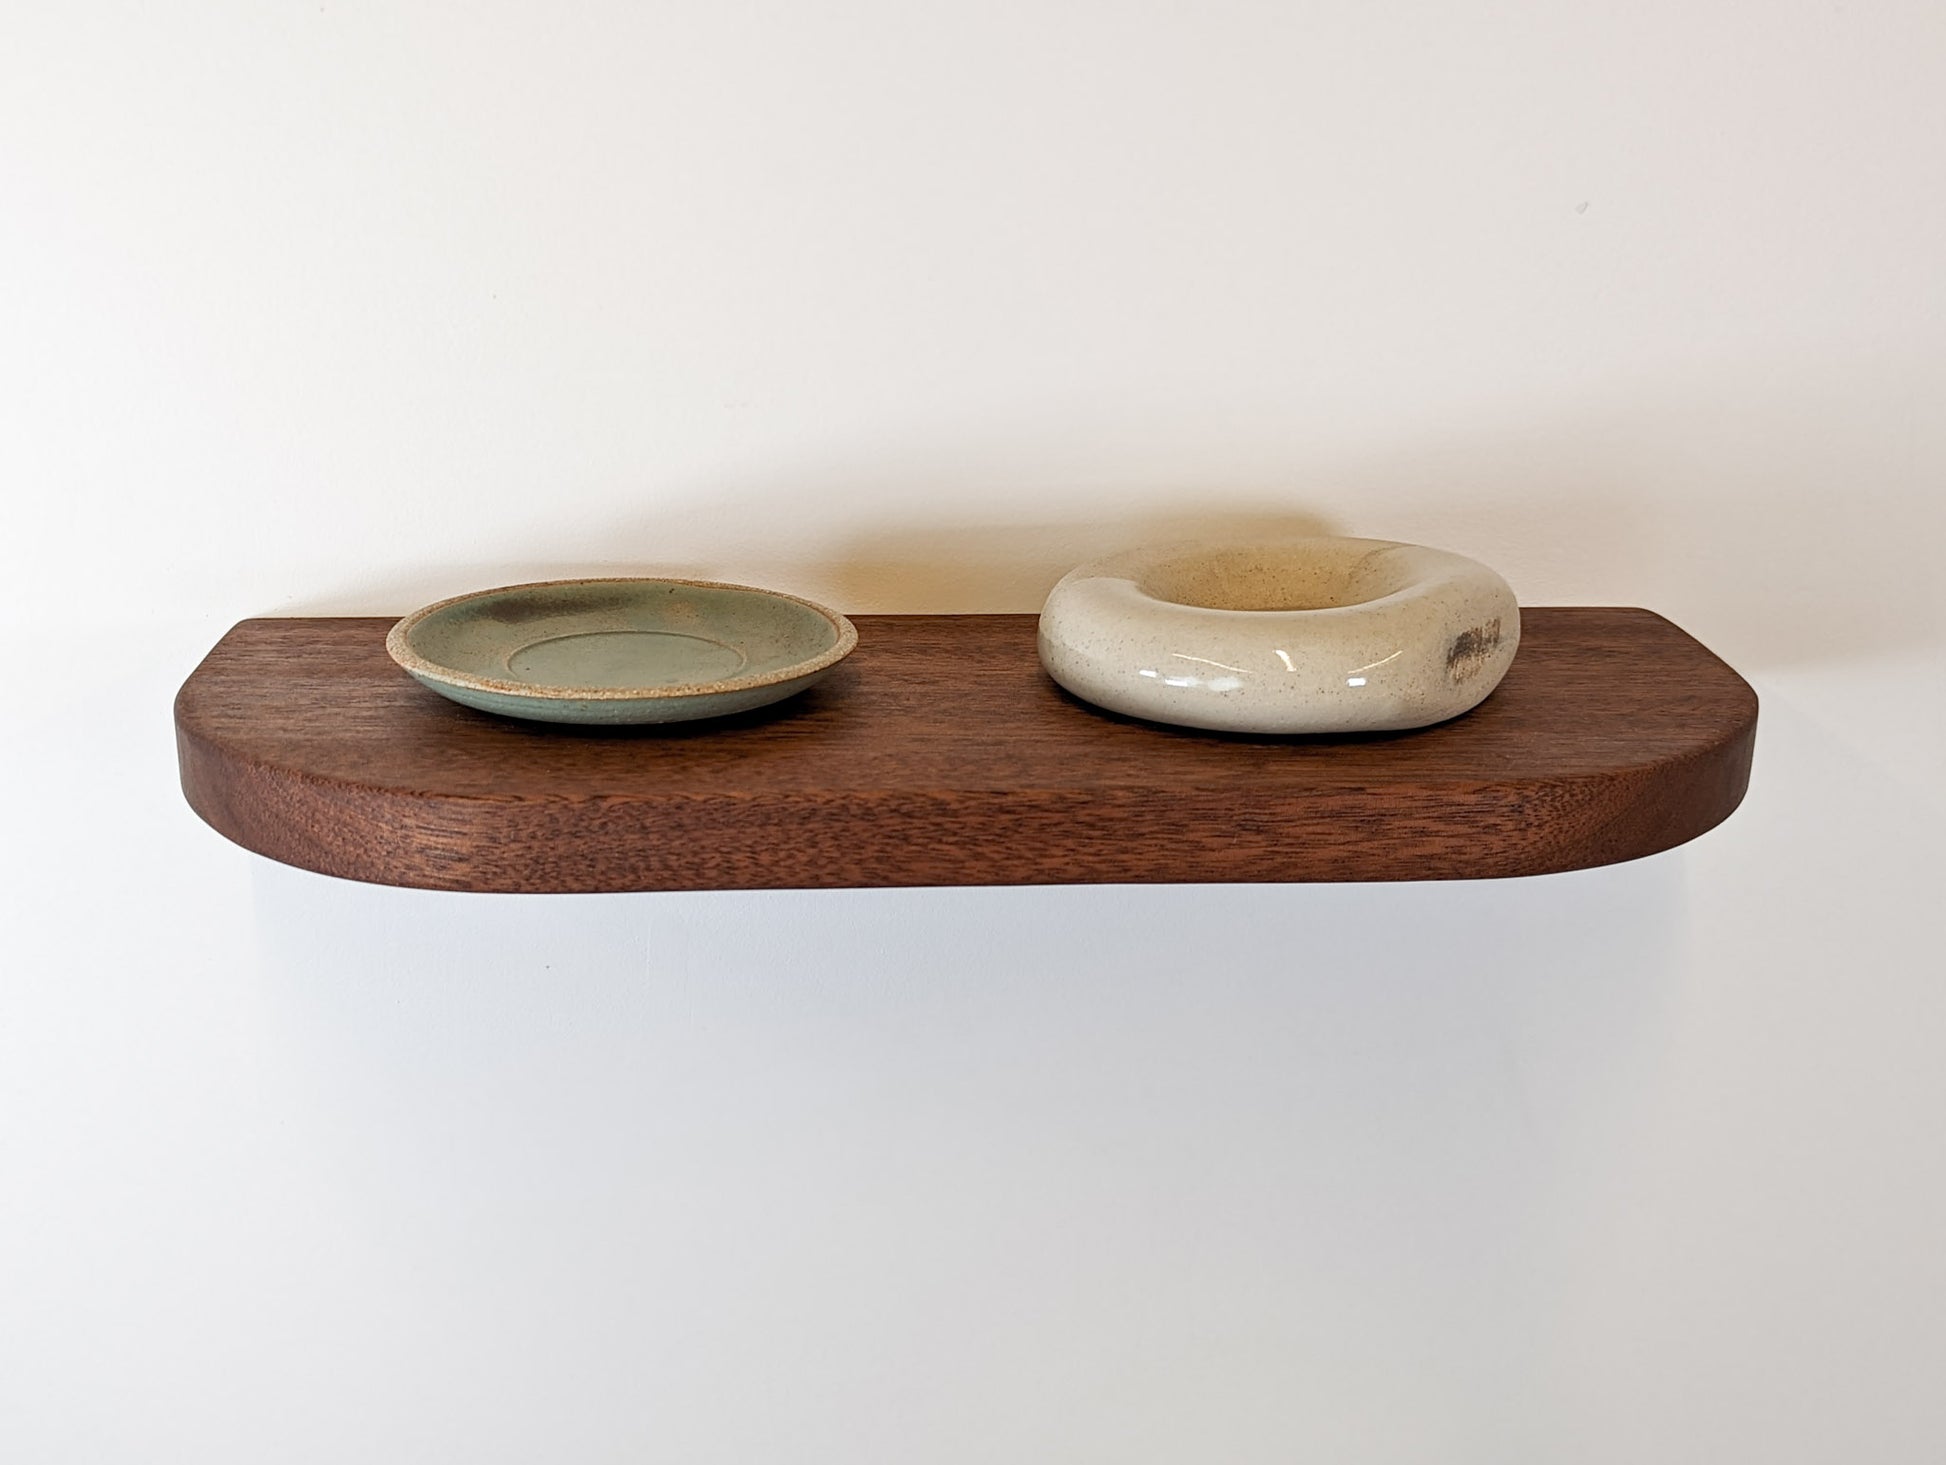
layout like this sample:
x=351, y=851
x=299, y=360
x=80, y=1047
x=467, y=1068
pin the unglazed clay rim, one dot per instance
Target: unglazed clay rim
x=398, y=646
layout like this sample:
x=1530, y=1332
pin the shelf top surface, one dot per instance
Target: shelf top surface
x=949, y=702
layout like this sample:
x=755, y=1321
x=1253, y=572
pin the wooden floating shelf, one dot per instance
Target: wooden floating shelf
x=941, y=754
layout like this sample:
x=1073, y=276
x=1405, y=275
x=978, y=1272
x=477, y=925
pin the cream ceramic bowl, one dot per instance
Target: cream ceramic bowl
x=1297, y=636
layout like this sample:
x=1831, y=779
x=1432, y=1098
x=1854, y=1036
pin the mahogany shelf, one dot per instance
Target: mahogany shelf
x=939, y=753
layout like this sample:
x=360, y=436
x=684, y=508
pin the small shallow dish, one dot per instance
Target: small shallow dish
x=1321, y=635
x=620, y=651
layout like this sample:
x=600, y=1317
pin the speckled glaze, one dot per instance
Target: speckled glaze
x=620, y=651
x=1299, y=636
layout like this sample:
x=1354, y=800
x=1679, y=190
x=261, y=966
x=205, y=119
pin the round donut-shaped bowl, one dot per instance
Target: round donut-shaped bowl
x=1322, y=635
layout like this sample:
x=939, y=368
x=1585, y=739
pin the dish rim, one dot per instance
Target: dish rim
x=398, y=645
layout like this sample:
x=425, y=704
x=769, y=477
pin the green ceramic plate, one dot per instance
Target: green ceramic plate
x=620, y=651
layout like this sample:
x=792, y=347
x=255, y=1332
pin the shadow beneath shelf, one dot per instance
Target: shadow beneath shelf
x=1365, y=1111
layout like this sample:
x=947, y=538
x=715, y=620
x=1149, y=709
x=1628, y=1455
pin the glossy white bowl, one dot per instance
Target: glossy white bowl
x=1297, y=636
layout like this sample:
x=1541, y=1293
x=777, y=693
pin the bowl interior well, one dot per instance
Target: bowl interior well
x=1327, y=575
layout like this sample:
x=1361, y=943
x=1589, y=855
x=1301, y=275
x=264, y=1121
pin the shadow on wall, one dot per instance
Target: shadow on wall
x=1012, y=567
x=1057, y=1146
x=925, y=568
x=1772, y=518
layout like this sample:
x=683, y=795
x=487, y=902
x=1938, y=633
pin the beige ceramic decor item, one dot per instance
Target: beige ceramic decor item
x=1299, y=636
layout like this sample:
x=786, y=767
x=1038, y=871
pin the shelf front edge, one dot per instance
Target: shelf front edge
x=1189, y=825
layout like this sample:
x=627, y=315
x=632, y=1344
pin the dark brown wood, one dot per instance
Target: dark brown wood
x=941, y=754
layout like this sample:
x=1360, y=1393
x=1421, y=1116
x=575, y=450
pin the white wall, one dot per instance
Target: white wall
x=344, y=307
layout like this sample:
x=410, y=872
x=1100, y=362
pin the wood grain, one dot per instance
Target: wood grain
x=941, y=754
